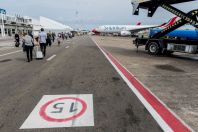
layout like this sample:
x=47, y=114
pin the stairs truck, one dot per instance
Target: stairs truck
x=170, y=39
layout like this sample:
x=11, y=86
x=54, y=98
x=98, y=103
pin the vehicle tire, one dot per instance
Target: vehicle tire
x=154, y=48
x=169, y=53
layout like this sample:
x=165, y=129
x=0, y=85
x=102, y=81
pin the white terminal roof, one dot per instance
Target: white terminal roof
x=50, y=24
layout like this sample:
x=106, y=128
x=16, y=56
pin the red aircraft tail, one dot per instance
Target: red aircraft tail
x=170, y=22
x=139, y=23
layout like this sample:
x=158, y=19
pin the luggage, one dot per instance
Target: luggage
x=17, y=44
x=39, y=54
x=23, y=46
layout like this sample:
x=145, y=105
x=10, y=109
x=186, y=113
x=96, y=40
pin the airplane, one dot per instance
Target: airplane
x=128, y=30
x=123, y=30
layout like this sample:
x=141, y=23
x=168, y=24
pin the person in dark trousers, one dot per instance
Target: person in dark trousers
x=17, y=40
x=42, y=41
x=63, y=35
x=53, y=37
x=49, y=41
x=29, y=43
x=66, y=36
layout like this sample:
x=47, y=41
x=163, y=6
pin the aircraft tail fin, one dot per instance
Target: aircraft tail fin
x=170, y=22
x=139, y=23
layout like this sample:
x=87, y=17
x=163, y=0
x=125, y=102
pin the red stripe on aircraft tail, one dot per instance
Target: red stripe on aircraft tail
x=139, y=23
x=171, y=22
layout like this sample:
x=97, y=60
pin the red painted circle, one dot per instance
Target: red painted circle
x=44, y=115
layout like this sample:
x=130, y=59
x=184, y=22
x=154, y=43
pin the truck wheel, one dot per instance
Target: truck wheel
x=153, y=48
x=169, y=53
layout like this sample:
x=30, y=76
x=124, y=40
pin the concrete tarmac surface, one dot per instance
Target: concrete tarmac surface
x=79, y=67
x=173, y=79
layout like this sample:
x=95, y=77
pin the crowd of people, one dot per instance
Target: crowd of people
x=42, y=40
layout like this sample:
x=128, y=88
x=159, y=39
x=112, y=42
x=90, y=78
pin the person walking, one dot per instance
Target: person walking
x=17, y=40
x=29, y=44
x=63, y=36
x=53, y=37
x=42, y=41
x=49, y=41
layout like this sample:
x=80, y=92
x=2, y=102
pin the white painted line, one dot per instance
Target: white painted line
x=58, y=111
x=5, y=48
x=166, y=118
x=67, y=47
x=11, y=53
x=49, y=59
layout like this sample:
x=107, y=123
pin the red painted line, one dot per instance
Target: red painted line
x=173, y=122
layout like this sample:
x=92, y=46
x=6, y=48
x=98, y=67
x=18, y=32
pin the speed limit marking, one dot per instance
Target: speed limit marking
x=55, y=111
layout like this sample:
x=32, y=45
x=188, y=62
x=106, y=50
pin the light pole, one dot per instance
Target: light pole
x=2, y=12
x=2, y=26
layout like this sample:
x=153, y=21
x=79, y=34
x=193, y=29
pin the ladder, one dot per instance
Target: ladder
x=190, y=18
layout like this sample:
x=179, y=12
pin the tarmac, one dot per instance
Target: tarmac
x=101, y=67
x=76, y=67
x=173, y=79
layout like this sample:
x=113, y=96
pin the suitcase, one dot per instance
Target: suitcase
x=16, y=44
x=39, y=54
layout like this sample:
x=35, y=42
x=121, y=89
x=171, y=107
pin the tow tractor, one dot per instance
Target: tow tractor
x=159, y=44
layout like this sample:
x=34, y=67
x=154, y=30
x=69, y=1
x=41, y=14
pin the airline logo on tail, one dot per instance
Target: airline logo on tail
x=170, y=22
x=138, y=24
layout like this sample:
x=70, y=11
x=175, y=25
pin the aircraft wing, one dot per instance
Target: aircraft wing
x=141, y=29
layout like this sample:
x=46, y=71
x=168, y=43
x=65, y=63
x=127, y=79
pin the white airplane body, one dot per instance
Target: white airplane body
x=119, y=28
x=123, y=30
x=127, y=30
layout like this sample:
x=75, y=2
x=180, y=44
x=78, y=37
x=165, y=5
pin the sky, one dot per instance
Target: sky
x=87, y=14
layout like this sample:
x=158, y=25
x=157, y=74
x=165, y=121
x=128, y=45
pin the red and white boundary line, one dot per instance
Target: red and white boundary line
x=167, y=119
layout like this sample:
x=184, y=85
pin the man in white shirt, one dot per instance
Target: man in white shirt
x=42, y=41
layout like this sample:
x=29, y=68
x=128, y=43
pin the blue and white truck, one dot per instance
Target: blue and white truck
x=176, y=41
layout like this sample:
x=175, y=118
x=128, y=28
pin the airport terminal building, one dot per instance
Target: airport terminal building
x=11, y=24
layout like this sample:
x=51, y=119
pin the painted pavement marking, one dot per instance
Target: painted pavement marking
x=166, y=118
x=11, y=53
x=58, y=111
x=50, y=58
x=6, y=48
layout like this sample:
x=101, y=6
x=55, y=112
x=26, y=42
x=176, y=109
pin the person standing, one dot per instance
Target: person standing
x=29, y=43
x=42, y=41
